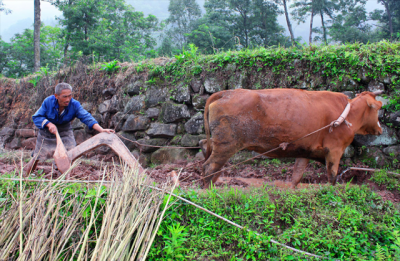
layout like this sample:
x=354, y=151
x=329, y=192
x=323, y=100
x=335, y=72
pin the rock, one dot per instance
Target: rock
x=375, y=86
x=87, y=106
x=152, y=142
x=76, y=124
x=196, y=85
x=103, y=150
x=134, y=88
x=384, y=101
x=199, y=156
x=242, y=156
x=25, y=133
x=348, y=152
x=238, y=81
x=155, y=95
x=350, y=94
x=211, y=85
x=381, y=115
x=181, y=93
x=118, y=120
x=172, y=112
x=196, y=124
x=387, y=138
x=162, y=130
x=80, y=136
x=176, y=140
x=15, y=143
x=108, y=93
x=6, y=131
x=6, y=135
x=135, y=123
x=374, y=157
x=29, y=144
x=152, y=113
x=180, y=129
x=393, y=151
x=145, y=159
x=140, y=135
x=110, y=106
x=231, y=67
x=171, y=155
x=394, y=119
x=191, y=140
x=129, y=138
x=363, y=75
x=135, y=104
x=199, y=101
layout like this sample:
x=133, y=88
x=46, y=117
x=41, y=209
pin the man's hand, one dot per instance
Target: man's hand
x=100, y=129
x=52, y=128
x=108, y=130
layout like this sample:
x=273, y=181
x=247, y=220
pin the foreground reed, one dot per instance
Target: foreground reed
x=61, y=221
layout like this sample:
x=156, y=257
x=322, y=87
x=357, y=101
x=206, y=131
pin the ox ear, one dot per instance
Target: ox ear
x=377, y=92
x=374, y=104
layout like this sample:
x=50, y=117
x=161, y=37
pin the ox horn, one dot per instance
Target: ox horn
x=377, y=92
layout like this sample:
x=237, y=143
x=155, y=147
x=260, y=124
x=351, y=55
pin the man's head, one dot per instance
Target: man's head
x=63, y=93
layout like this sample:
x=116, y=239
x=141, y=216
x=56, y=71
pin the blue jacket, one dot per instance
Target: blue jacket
x=48, y=112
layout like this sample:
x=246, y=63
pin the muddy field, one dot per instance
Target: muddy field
x=258, y=173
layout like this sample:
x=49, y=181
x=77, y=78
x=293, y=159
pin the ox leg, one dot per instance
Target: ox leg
x=332, y=165
x=298, y=170
x=203, y=146
x=215, y=163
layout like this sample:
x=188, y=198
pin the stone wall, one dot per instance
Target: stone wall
x=171, y=113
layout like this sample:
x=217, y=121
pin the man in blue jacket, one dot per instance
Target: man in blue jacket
x=56, y=113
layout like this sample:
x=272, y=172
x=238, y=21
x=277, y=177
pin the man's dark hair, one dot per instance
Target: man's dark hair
x=62, y=86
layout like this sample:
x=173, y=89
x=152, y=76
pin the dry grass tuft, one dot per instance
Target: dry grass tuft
x=61, y=221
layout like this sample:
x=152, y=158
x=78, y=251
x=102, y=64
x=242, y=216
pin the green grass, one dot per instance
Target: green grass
x=340, y=222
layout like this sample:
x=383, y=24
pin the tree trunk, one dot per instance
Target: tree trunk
x=311, y=24
x=389, y=18
x=36, y=37
x=323, y=27
x=288, y=22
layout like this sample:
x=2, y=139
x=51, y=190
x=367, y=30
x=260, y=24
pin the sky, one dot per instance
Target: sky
x=22, y=16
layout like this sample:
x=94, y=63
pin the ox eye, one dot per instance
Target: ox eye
x=379, y=124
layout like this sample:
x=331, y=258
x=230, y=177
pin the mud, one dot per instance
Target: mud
x=244, y=176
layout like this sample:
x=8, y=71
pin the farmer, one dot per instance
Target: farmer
x=56, y=113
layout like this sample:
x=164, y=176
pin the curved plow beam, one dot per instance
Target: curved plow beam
x=105, y=139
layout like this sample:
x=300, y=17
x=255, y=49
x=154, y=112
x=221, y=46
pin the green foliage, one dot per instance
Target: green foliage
x=394, y=102
x=110, y=67
x=174, y=239
x=383, y=178
x=340, y=222
x=35, y=81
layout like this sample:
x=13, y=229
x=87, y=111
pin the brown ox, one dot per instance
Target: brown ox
x=260, y=120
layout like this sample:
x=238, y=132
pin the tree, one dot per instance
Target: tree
x=351, y=25
x=389, y=20
x=289, y=24
x=5, y=49
x=19, y=58
x=265, y=28
x=213, y=32
x=3, y=9
x=183, y=13
x=302, y=10
x=36, y=41
x=106, y=29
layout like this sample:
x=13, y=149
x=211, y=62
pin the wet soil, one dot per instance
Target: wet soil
x=244, y=176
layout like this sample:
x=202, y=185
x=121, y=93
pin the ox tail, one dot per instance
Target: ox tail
x=213, y=98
